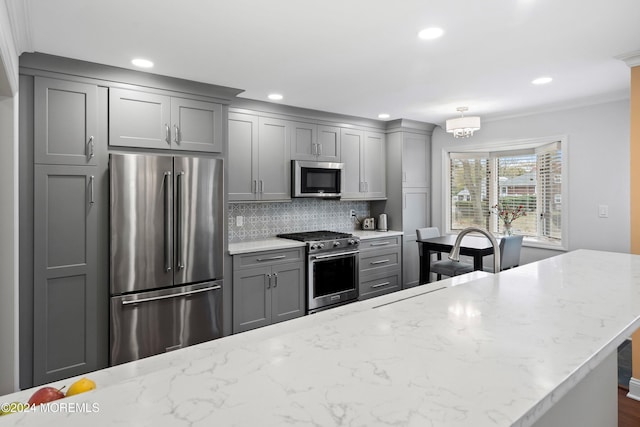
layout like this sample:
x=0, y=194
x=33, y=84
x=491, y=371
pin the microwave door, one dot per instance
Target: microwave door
x=141, y=203
x=198, y=219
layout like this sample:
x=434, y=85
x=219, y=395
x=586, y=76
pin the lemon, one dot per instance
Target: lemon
x=80, y=386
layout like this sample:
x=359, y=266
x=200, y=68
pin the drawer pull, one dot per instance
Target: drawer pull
x=381, y=244
x=272, y=258
x=379, y=285
x=382, y=261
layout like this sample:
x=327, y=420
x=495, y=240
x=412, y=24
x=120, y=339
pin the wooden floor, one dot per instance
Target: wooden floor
x=628, y=410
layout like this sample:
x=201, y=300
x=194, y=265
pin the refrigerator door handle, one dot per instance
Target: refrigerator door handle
x=179, y=219
x=167, y=221
x=180, y=294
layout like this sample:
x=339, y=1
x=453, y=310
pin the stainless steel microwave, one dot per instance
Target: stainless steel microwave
x=316, y=179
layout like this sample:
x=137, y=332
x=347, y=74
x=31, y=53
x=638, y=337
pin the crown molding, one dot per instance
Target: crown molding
x=632, y=58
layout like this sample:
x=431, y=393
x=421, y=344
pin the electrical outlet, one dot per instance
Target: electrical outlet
x=603, y=211
x=239, y=221
x=352, y=213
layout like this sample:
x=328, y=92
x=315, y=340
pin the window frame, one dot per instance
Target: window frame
x=506, y=147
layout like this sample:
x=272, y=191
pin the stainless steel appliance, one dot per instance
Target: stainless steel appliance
x=316, y=179
x=166, y=253
x=382, y=222
x=332, y=268
x=368, y=224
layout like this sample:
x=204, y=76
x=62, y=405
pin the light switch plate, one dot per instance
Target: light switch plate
x=239, y=221
x=603, y=211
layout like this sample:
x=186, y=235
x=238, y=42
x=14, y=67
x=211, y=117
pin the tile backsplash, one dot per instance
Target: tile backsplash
x=263, y=220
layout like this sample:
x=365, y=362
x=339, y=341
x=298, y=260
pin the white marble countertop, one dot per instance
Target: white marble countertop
x=279, y=243
x=495, y=351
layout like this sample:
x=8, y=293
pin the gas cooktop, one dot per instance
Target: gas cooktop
x=312, y=236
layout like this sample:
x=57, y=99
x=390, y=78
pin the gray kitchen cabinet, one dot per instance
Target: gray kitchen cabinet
x=363, y=154
x=380, y=266
x=268, y=287
x=408, y=203
x=315, y=142
x=259, y=158
x=149, y=120
x=66, y=120
x=65, y=300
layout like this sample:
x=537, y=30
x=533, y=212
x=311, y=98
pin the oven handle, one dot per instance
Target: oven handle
x=334, y=255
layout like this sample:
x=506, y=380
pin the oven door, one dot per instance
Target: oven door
x=332, y=279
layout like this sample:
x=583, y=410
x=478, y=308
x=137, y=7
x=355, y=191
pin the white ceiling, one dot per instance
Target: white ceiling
x=363, y=57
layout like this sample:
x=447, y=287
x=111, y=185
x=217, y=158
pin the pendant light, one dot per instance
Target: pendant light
x=463, y=127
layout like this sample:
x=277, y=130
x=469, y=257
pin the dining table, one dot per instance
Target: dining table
x=474, y=246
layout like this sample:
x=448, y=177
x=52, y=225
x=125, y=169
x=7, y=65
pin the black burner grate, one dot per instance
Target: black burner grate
x=310, y=236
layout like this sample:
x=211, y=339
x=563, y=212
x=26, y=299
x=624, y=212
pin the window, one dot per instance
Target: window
x=529, y=176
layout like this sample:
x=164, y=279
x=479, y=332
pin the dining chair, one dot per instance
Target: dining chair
x=510, y=247
x=441, y=267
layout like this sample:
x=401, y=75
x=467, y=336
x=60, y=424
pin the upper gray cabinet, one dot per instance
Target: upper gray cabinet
x=363, y=154
x=416, y=160
x=259, y=158
x=315, y=142
x=66, y=120
x=149, y=120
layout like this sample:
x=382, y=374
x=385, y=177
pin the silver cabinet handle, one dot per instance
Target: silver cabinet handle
x=176, y=137
x=167, y=221
x=268, y=281
x=91, y=147
x=380, y=244
x=382, y=261
x=255, y=186
x=167, y=133
x=261, y=186
x=271, y=258
x=379, y=285
x=319, y=149
x=181, y=294
x=179, y=219
x=91, y=180
x=275, y=279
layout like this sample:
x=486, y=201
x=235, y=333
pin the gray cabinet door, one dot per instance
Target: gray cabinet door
x=328, y=143
x=350, y=148
x=416, y=214
x=375, y=177
x=416, y=160
x=196, y=125
x=287, y=291
x=139, y=119
x=65, y=282
x=251, y=298
x=243, y=156
x=304, y=141
x=66, y=120
x=274, y=160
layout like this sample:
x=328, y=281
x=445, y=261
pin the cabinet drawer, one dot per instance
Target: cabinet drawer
x=379, y=285
x=255, y=259
x=377, y=260
x=374, y=244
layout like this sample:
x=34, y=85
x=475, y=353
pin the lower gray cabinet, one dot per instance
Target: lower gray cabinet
x=380, y=266
x=268, y=287
x=65, y=298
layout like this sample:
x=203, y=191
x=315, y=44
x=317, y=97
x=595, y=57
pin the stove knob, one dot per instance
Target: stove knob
x=321, y=245
x=314, y=246
x=353, y=242
x=336, y=244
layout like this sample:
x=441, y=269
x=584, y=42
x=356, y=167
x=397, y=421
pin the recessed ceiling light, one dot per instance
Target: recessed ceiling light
x=142, y=63
x=383, y=116
x=542, y=80
x=275, y=97
x=431, y=33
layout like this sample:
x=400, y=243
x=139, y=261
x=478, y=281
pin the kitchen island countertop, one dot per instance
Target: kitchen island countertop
x=498, y=350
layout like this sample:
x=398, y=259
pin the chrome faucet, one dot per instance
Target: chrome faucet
x=454, y=255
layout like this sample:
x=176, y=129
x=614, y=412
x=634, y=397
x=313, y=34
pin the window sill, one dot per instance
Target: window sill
x=532, y=242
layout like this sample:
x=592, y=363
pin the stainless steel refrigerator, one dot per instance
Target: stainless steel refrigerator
x=166, y=253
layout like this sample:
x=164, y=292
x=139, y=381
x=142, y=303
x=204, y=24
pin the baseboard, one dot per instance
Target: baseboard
x=634, y=389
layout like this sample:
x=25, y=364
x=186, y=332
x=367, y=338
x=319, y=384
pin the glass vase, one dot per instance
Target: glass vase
x=507, y=229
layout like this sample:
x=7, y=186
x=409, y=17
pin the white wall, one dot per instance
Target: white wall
x=8, y=207
x=598, y=138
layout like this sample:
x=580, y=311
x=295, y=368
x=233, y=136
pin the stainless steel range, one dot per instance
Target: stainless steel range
x=332, y=268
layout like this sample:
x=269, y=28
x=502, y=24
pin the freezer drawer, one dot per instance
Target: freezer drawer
x=149, y=323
